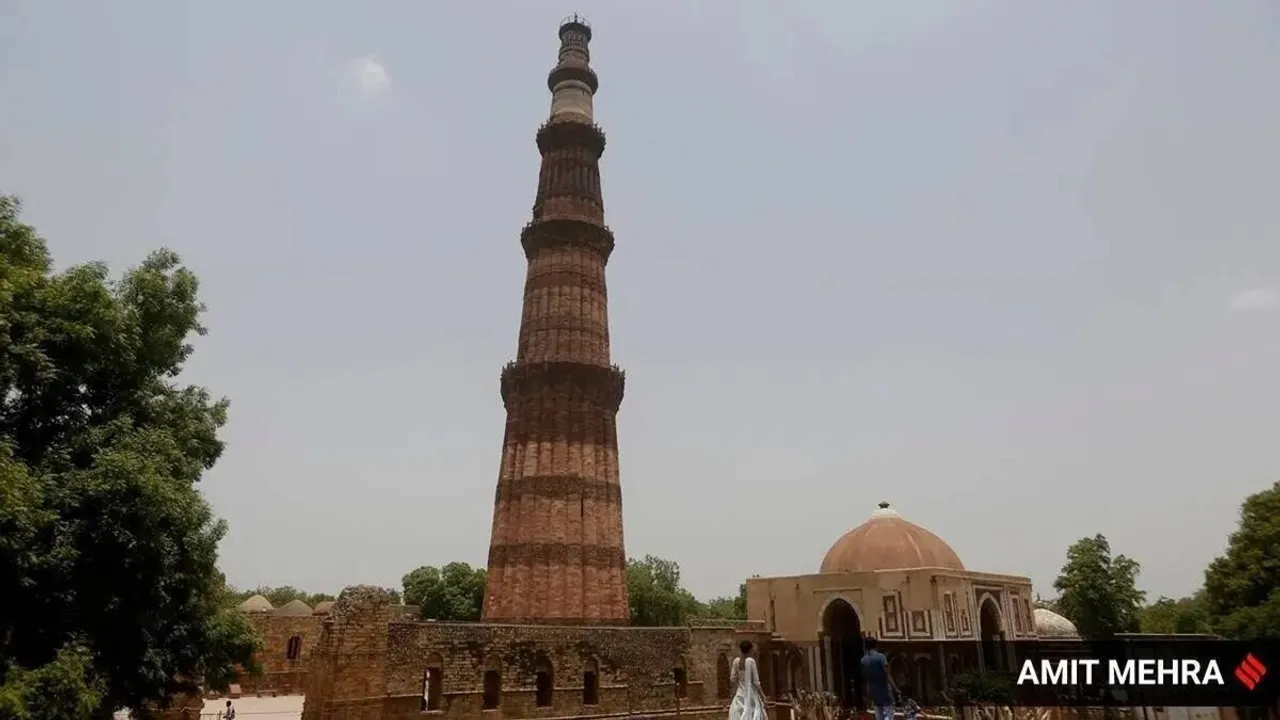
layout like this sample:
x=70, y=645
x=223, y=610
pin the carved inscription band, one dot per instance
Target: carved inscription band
x=592, y=280
x=560, y=487
x=558, y=554
x=595, y=427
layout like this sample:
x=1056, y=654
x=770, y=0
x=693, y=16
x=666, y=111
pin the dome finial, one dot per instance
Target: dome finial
x=884, y=505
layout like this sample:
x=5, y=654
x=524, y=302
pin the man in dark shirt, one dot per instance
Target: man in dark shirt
x=875, y=672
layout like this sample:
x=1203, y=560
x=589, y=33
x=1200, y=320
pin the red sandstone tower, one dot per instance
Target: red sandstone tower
x=556, y=553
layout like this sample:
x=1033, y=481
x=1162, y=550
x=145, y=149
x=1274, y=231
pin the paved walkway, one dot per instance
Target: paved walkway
x=288, y=707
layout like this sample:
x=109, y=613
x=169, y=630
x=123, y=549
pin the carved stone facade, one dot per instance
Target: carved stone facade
x=556, y=551
x=902, y=584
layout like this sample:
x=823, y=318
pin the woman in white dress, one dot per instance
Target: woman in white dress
x=748, y=699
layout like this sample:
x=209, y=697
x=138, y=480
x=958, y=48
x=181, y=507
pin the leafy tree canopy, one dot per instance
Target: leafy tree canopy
x=655, y=594
x=1169, y=616
x=111, y=594
x=454, y=592
x=725, y=607
x=278, y=596
x=1098, y=592
x=1242, y=588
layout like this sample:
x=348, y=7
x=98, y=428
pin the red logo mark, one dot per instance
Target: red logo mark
x=1250, y=671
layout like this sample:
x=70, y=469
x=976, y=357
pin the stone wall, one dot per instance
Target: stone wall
x=371, y=663
x=282, y=674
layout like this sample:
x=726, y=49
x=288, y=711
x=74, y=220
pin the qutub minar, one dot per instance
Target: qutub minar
x=556, y=553
x=555, y=639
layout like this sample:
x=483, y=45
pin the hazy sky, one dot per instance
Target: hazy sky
x=1007, y=265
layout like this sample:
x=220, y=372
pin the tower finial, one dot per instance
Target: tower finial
x=572, y=81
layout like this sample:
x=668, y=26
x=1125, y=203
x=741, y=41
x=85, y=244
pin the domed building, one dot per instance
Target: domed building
x=255, y=604
x=899, y=582
x=294, y=608
x=1049, y=624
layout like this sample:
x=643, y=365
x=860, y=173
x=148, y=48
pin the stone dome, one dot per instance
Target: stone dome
x=323, y=607
x=887, y=542
x=1050, y=624
x=255, y=604
x=295, y=608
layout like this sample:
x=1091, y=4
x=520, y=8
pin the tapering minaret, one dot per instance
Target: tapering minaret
x=556, y=552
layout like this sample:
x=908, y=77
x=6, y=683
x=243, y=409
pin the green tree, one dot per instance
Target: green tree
x=64, y=688
x=454, y=592
x=655, y=595
x=107, y=549
x=278, y=596
x=726, y=607
x=1169, y=616
x=1242, y=588
x=1098, y=592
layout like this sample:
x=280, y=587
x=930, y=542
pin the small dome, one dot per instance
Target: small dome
x=1051, y=624
x=887, y=542
x=323, y=607
x=294, y=608
x=255, y=604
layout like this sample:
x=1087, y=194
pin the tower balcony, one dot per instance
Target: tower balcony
x=563, y=133
x=568, y=71
x=562, y=231
x=602, y=384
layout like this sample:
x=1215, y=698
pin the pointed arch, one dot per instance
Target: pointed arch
x=544, y=681
x=492, y=698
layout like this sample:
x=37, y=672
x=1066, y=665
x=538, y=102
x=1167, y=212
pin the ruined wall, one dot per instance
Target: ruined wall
x=636, y=669
x=281, y=674
x=370, y=663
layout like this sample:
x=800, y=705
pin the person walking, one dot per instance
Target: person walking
x=875, y=673
x=748, y=699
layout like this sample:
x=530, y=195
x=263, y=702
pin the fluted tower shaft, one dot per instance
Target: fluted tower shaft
x=556, y=552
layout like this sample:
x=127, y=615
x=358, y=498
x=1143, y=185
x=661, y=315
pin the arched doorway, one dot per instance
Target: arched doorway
x=991, y=630
x=924, y=682
x=842, y=632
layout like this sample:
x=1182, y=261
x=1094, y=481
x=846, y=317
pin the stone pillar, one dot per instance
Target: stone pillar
x=829, y=665
x=815, y=667
x=942, y=666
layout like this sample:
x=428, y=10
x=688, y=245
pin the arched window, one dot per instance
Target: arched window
x=433, y=683
x=293, y=649
x=795, y=674
x=591, y=683
x=544, y=682
x=924, y=680
x=681, y=679
x=492, y=686
x=722, y=677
